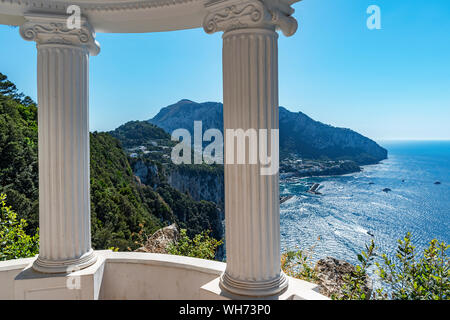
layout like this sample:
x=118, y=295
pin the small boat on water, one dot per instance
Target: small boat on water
x=285, y=198
x=314, y=188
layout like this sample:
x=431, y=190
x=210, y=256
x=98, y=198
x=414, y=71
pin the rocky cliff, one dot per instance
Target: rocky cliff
x=199, y=184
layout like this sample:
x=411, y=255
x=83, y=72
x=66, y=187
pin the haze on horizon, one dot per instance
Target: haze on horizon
x=388, y=84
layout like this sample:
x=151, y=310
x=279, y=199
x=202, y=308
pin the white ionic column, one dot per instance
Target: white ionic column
x=63, y=131
x=250, y=89
x=251, y=200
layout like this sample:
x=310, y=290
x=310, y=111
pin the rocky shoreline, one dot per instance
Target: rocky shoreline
x=300, y=168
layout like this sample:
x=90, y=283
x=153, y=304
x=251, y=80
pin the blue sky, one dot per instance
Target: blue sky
x=392, y=83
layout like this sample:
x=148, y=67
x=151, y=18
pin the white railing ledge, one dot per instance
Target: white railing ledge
x=166, y=260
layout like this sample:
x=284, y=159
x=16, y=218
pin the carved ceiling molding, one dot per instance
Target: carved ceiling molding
x=119, y=5
x=51, y=29
x=227, y=15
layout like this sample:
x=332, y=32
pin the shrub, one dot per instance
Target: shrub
x=355, y=283
x=14, y=242
x=201, y=246
x=413, y=277
x=297, y=264
x=409, y=276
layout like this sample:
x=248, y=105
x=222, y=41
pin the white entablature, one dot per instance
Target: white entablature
x=138, y=16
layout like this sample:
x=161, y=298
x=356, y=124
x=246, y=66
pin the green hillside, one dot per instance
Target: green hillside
x=120, y=205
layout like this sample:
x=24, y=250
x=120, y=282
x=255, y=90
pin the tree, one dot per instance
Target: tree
x=9, y=89
x=18, y=149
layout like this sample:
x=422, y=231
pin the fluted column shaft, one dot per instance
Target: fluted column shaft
x=252, y=215
x=63, y=115
x=63, y=133
x=250, y=98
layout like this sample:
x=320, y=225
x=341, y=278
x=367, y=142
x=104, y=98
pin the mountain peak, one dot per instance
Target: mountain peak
x=299, y=134
x=185, y=101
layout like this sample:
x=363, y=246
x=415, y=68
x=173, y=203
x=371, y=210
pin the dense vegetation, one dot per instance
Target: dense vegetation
x=14, y=241
x=18, y=150
x=119, y=203
x=195, y=216
x=136, y=133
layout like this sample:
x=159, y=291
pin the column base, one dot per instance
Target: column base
x=254, y=288
x=297, y=290
x=79, y=285
x=65, y=266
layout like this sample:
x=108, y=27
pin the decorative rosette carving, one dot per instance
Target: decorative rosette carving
x=227, y=15
x=53, y=29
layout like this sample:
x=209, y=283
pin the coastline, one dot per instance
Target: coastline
x=294, y=167
x=317, y=168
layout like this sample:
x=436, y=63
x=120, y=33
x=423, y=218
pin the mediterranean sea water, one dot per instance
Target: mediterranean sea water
x=353, y=209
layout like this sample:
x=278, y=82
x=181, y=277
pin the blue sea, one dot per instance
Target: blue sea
x=339, y=222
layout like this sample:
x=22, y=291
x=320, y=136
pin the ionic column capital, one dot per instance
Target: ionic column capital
x=227, y=15
x=53, y=29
